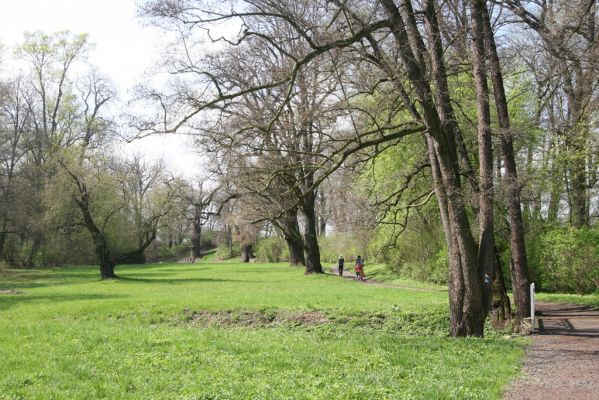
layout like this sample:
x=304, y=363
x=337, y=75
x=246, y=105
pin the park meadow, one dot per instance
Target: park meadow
x=233, y=330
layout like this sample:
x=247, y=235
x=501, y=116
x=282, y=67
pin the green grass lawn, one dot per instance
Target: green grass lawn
x=591, y=300
x=233, y=331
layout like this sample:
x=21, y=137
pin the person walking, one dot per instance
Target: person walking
x=340, y=265
x=359, y=268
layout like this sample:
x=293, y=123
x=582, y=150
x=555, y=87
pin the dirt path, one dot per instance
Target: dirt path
x=369, y=281
x=563, y=360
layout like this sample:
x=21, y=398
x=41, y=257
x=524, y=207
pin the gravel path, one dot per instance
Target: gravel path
x=563, y=360
x=369, y=281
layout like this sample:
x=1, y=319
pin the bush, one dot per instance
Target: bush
x=344, y=244
x=419, y=253
x=272, y=249
x=208, y=240
x=432, y=269
x=159, y=251
x=224, y=253
x=570, y=260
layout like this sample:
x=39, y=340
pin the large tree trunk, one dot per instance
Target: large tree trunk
x=292, y=235
x=486, y=242
x=98, y=238
x=247, y=251
x=296, y=252
x=106, y=264
x=311, y=248
x=3, y=242
x=465, y=294
x=322, y=221
x=576, y=145
x=195, y=240
x=520, y=281
x=501, y=310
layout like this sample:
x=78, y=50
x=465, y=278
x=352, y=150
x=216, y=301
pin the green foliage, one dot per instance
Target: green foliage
x=160, y=251
x=419, y=253
x=272, y=249
x=65, y=329
x=570, y=260
x=346, y=244
x=225, y=253
x=209, y=240
x=409, y=236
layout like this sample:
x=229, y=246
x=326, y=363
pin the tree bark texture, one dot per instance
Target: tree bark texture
x=501, y=310
x=465, y=294
x=311, y=248
x=486, y=241
x=292, y=235
x=520, y=280
x=196, y=236
x=247, y=251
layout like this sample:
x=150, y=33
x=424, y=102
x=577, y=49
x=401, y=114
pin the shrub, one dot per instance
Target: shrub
x=224, y=253
x=159, y=251
x=272, y=249
x=348, y=245
x=570, y=260
x=419, y=253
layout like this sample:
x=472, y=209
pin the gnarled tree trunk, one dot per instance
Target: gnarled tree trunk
x=196, y=240
x=311, y=248
x=292, y=235
x=247, y=251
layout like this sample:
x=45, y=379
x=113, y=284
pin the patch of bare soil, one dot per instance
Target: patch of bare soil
x=10, y=291
x=563, y=360
x=257, y=318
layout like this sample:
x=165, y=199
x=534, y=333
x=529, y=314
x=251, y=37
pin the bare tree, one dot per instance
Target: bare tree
x=408, y=54
x=567, y=31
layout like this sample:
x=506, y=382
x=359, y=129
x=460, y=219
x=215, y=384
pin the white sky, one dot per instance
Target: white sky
x=124, y=49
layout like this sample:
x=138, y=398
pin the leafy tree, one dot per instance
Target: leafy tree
x=114, y=201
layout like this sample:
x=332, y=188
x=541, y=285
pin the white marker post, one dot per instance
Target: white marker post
x=532, y=308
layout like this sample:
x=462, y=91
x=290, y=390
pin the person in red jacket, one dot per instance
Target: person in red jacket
x=359, y=268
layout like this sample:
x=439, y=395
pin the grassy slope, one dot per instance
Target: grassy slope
x=69, y=335
x=585, y=300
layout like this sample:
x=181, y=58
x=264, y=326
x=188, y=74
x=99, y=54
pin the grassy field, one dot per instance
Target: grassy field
x=591, y=300
x=232, y=331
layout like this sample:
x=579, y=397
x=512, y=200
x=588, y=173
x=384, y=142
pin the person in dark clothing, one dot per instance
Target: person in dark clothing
x=340, y=265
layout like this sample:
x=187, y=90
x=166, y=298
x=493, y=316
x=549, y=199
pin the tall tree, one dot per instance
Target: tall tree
x=519, y=264
x=567, y=31
x=115, y=202
x=410, y=57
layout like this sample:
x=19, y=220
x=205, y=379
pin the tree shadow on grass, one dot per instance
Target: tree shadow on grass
x=39, y=280
x=130, y=278
x=10, y=300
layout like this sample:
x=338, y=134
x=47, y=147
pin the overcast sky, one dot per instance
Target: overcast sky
x=124, y=49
